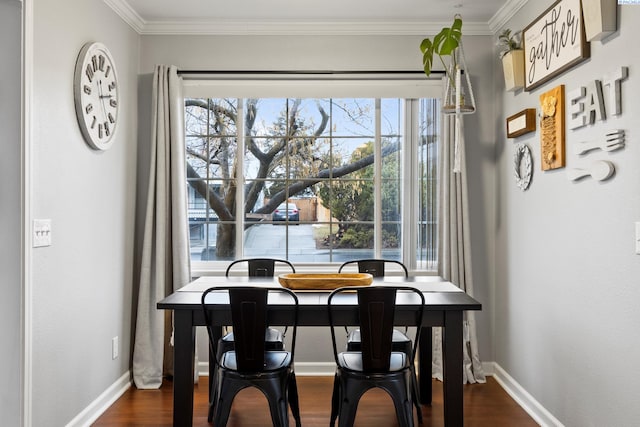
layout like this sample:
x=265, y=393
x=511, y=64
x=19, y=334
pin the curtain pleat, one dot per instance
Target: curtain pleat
x=165, y=263
x=454, y=250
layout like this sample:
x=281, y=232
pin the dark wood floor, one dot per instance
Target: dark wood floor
x=484, y=405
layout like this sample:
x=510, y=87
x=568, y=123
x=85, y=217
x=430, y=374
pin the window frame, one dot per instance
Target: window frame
x=351, y=86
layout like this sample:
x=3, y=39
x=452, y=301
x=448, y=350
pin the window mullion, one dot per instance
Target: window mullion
x=409, y=191
x=240, y=180
x=377, y=182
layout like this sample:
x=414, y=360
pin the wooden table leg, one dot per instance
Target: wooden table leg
x=184, y=340
x=452, y=369
x=425, y=352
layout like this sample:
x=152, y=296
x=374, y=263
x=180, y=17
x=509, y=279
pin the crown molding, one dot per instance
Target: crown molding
x=338, y=28
x=504, y=14
x=128, y=15
x=262, y=27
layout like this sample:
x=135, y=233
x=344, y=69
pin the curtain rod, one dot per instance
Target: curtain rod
x=284, y=72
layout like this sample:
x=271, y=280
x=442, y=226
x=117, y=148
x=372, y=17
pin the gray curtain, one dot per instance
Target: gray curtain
x=165, y=264
x=454, y=252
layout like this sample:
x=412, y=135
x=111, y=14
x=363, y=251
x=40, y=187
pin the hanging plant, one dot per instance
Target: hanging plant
x=458, y=97
x=443, y=44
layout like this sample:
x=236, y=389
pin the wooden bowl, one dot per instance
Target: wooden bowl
x=323, y=281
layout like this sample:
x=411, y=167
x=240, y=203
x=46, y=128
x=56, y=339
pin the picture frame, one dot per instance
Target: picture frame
x=521, y=123
x=554, y=42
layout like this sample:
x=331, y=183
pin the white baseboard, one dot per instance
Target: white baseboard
x=540, y=415
x=102, y=403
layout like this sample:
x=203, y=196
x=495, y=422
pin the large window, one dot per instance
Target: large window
x=313, y=180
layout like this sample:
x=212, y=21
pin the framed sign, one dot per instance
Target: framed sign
x=554, y=42
x=521, y=123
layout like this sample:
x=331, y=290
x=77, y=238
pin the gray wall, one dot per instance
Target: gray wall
x=82, y=284
x=360, y=53
x=567, y=283
x=10, y=212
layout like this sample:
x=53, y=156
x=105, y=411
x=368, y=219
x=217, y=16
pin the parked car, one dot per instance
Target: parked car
x=284, y=211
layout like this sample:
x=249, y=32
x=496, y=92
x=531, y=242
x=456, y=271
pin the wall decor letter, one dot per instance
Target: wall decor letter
x=587, y=104
x=554, y=42
x=613, y=80
x=595, y=102
x=577, y=116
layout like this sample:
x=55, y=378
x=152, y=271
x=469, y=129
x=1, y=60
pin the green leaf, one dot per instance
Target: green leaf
x=427, y=55
x=443, y=44
x=450, y=39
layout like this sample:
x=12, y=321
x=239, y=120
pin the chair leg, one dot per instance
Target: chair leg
x=400, y=392
x=293, y=399
x=275, y=392
x=351, y=392
x=335, y=400
x=213, y=386
x=225, y=395
x=416, y=394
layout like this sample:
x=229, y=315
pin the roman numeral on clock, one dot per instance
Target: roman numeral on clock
x=89, y=72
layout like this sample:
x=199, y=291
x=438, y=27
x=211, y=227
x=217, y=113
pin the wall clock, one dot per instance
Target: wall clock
x=95, y=88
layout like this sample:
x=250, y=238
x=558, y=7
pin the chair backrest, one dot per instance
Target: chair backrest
x=376, y=319
x=260, y=267
x=250, y=317
x=375, y=267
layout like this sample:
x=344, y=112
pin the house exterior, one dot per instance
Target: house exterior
x=554, y=266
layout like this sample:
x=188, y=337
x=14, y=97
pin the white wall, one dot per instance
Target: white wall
x=567, y=288
x=82, y=284
x=359, y=53
x=10, y=212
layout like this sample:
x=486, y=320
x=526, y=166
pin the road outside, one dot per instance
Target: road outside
x=270, y=240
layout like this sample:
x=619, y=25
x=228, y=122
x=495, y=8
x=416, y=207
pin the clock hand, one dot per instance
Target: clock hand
x=100, y=96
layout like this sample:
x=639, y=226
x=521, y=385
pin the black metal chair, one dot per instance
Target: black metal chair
x=376, y=364
x=400, y=340
x=273, y=337
x=260, y=267
x=250, y=364
x=376, y=267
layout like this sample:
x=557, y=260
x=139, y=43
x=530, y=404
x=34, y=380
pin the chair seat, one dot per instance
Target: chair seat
x=352, y=361
x=399, y=341
x=273, y=339
x=273, y=360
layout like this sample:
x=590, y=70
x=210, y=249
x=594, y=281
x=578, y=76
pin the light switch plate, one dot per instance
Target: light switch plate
x=638, y=238
x=41, y=233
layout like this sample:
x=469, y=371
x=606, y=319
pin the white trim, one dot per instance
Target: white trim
x=504, y=14
x=311, y=86
x=128, y=14
x=538, y=412
x=280, y=27
x=103, y=402
x=26, y=203
x=308, y=27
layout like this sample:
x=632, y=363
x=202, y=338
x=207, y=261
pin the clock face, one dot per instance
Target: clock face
x=96, y=95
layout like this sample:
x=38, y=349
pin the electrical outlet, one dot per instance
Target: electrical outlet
x=41, y=233
x=114, y=348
